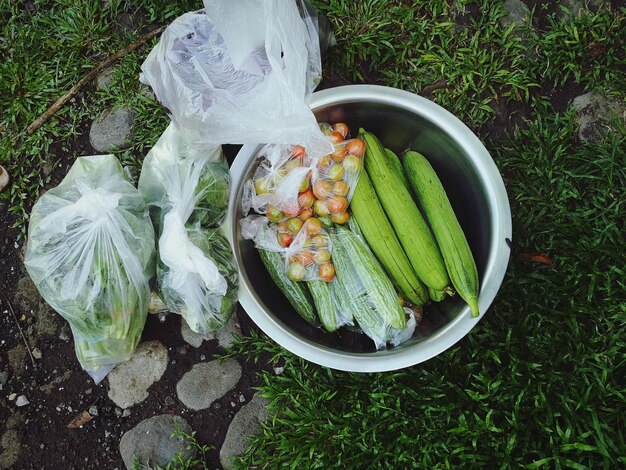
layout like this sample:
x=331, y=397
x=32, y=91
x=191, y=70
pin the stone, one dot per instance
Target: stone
x=279, y=370
x=576, y=8
x=28, y=300
x=36, y=352
x=4, y=377
x=206, y=382
x=152, y=443
x=225, y=336
x=18, y=359
x=246, y=423
x=517, y=13
x=93, y=410
x=66, y=333
x=12, y=396
x=129, y=381
x=22, y=401
x=596, y=114
x=9, y=448
x=112, y=131
x=125, y=413
x=4, y=177
x=104, y=80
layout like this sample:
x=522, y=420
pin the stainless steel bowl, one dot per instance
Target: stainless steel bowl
x=401, y=120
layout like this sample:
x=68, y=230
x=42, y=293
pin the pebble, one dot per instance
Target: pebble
x=37, y=353
x=126, y=413
x=22, y=401
x=129, y=381
x=242, y=398
x=112, y=131
x=246, y=423
x=12, y=396
x=206, y=382
x=151, y=442
x=278, y=370
x=93, y=410
x=4, y=377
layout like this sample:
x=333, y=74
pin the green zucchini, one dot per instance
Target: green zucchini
x=371, y=297
x=375, y=227
x=296, y=292
x=436, y=295
x=407, y=221
x=320, y=291
x=448, y=232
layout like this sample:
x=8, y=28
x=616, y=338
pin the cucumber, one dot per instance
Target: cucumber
x=396, y=166
x=407, y=221
x=375, y=227
x=297, y=294
x=448, y=232
x=320, y=291
x=371, y=297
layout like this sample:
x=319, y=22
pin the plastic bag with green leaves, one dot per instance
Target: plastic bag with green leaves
x=186, y=187
x=91, y=254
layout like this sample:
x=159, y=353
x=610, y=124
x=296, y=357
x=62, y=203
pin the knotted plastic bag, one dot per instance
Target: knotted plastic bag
x=91, y=254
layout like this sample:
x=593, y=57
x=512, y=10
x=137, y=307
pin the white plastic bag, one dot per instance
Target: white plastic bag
x=240, y=72
x=91, y=255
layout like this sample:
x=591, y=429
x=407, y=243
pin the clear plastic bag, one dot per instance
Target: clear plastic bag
x=198, y=280
x=172, y=167
x=240, y=72
x=91, y=254
x=187, y=191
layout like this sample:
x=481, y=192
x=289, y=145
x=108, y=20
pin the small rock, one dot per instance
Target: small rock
x=36, y=352
x=279, y=370
x=152, y=443
x=596, y=113
x=225, y=336
x=4, y=377
x=242, y=398
x=202, y=357
x=66, y=333
x=12, y=396
x=4, y=177
x=88, y=391
x=112, y=131
x=183, y=349
x=129, y=381
x=107, y=434
x=118, y=412
x=93, y=410
x=246, y=423
x=22, y=401
x=104, y=80
x=9, y=448
x=125, y=413
x=517, y=13
x=206, y=382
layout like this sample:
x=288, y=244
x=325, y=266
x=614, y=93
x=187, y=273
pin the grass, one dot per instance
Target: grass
x=540, y=383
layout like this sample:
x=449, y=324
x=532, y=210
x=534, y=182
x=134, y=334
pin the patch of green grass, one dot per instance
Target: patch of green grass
x=47, y=50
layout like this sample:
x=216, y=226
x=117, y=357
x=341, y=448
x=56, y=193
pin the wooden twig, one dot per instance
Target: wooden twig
x=52, y=110
x=6, y=299
x=428, y=89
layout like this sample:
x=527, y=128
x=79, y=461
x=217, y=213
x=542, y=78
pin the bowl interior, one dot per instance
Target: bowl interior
x=398, y=129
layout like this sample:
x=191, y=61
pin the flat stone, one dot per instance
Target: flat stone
x=152, y=443
x=112, y=131
x=206, y=382
x=129, y=381
x=9, y=448
x=29, y=301
x=225, y=336
x=517, y=13
x=246, y=423
x=104, y=80
x=596, y=114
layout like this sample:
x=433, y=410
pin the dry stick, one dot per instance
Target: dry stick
x=6, y=299
x=434, y=86
x=52, y=110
